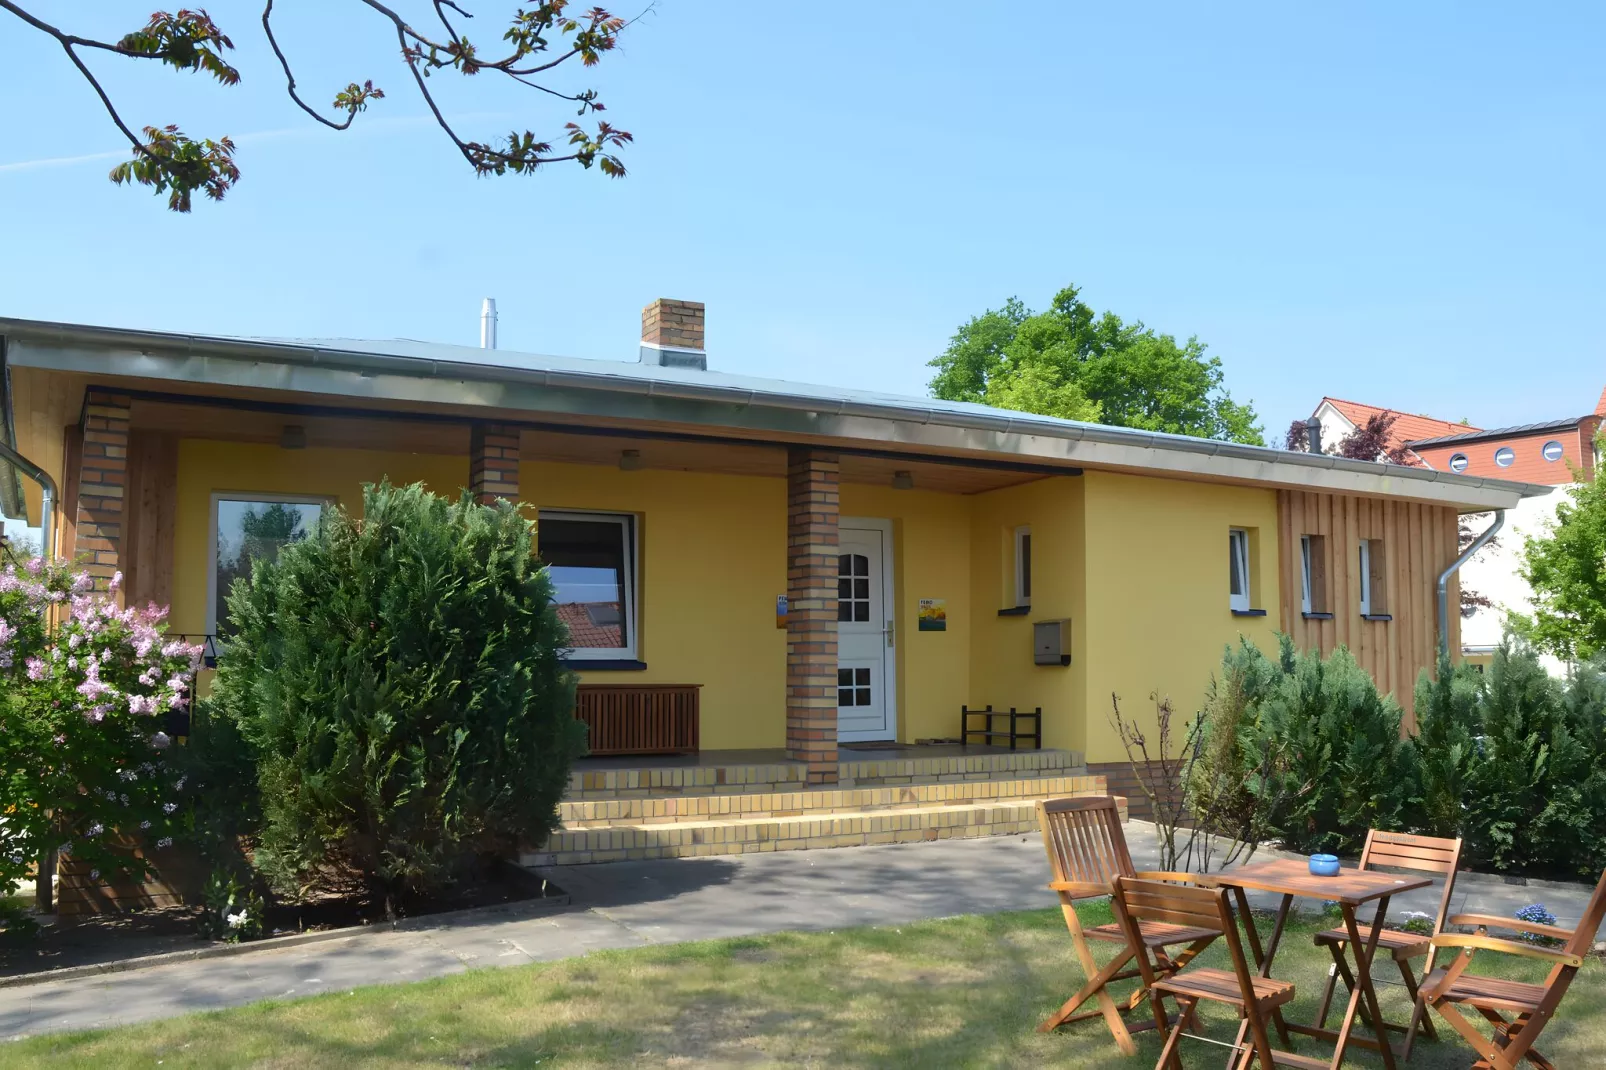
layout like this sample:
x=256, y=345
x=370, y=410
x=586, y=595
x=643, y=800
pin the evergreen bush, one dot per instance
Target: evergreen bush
x=398, y=677
x=1532, y=800
x=1346, y=767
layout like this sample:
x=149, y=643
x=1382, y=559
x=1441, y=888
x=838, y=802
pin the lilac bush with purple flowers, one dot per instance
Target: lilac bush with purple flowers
x=85, y=687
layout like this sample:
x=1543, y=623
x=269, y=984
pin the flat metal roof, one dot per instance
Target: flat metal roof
x=1499, y=432
x=428, y=373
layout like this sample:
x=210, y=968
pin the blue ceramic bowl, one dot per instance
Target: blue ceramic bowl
x=1324, y=865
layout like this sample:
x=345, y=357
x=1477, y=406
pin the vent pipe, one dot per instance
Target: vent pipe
x=488, y=324
x=1313, y=435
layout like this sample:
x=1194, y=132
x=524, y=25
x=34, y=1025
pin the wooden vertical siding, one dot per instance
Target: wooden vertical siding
x=1419, y=542
x=151, y=510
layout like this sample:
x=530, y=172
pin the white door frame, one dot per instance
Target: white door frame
x=889, y=659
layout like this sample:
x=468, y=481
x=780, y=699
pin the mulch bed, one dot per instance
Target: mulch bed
x=97, y=939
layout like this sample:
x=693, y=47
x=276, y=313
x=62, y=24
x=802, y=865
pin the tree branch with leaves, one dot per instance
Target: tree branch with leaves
x=538, y=42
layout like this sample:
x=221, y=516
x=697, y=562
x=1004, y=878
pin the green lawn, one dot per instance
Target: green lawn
x=958, y=992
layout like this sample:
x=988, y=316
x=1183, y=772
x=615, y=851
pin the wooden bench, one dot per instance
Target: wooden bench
x=639, y=718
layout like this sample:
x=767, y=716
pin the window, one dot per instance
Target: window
x=1374, y=582
x=247, y=528
x=853, y=687
x=1313, y=574
x=1505, y=456
x=1552, y=451
x=1023, y=565
x=852, y=589
x=1238, y=569
x=1459, y=462
x=591, y=560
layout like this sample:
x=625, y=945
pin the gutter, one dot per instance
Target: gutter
x=1444, y=578
x=683, y=386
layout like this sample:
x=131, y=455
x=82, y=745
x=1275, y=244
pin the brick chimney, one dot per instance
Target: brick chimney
x=672, y=334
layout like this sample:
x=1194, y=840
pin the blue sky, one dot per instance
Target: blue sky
x=1394, y=203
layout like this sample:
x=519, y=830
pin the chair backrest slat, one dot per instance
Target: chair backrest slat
x=1583, y=940
x=1424, y=854
x=1421, y=854
x=1179, y=904
x=1084, y=839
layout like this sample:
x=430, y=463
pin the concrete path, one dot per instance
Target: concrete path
x=631, y=904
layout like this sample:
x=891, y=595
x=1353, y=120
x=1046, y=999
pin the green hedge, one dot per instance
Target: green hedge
x=1511, y=760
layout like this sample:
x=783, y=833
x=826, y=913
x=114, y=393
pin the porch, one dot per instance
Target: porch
x=722, y=594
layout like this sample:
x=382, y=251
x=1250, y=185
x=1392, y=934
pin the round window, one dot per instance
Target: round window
x=1505, y=456
x=1458, y=462
x=1552, y=451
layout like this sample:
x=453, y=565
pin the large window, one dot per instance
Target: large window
x=591, y=559
x=1238, y=569
x=247, y=528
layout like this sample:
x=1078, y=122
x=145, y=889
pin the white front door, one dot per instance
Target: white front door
x=866, y=690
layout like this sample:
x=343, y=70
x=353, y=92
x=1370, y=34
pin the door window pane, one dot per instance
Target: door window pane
x=853, y=587
x=250, y=531
x=588, y=561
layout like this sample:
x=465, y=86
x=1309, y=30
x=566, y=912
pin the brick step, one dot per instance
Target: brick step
x=685, y=839
x=600, y=813
x=944, y=769
x=656, y=781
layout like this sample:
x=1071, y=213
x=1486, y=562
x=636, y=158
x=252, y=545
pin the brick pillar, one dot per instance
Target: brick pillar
x=102, y=483
x=493, y=462
x=811, y=575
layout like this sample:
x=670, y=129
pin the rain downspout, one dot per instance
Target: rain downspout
x=47, y=503
x=1444, y=578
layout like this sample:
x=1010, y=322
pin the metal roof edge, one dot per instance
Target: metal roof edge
x=1501, y=432
x=683, y=386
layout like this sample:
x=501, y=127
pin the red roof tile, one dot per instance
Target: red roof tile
x=1407, y=427
x=583, y=632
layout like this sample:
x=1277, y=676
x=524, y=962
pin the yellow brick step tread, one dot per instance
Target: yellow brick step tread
x=685, y=808
x=729, y=837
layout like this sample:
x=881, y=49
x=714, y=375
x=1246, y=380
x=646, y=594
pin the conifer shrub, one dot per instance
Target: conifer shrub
x=398, y=679
x=1346, y=769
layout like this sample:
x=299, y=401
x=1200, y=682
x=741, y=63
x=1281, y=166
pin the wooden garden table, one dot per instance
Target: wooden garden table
x=1351, y=889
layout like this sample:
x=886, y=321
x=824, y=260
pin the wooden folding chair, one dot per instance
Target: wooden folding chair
x=1448, y=988
x=1138, y=902
x=1086, y=852
x=1419, y=854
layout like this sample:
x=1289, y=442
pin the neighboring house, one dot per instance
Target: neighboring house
x=1555, y=453
x=1339, y=418
x=682, y=509
x=1548, y=454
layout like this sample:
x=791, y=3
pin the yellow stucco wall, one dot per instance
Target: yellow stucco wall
x=1157, y=592
x=207, y=467
x=1001, y=657
x=713, y=558
x=1137, y=564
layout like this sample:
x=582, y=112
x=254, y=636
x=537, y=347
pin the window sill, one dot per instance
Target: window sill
x=1018, y=611
x=1317, y=616
x=1377, y=616
x=1249, y=612
x=603, y=664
